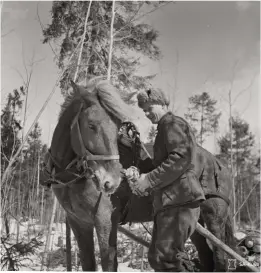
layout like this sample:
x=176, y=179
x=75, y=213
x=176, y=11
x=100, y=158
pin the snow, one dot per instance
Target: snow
x=29, y=229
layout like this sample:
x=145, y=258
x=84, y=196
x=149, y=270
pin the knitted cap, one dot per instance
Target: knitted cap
x=155, y=96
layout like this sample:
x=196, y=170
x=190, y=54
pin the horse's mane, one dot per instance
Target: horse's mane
x=111, y=100
x=107, y=95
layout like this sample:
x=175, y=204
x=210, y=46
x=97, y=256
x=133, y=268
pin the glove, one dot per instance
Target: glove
x=141, y=185
x=132, y=174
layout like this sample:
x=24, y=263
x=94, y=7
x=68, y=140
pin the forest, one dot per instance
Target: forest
x=108, y=38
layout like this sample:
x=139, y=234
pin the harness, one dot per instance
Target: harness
x=78, y=167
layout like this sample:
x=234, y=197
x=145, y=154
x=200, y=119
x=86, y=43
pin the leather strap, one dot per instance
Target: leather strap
x=78, y=144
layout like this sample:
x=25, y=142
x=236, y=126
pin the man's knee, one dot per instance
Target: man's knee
x=165, y=258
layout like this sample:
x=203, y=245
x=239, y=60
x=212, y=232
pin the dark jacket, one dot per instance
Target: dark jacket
x=173, y=179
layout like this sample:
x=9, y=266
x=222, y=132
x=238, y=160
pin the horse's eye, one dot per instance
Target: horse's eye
x=91, y=126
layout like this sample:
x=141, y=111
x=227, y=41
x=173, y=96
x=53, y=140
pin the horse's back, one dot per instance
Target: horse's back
x=213, y=175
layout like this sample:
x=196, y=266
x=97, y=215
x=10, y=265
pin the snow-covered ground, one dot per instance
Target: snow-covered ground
x=30, y=229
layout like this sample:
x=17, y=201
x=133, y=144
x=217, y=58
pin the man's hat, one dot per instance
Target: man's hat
x=155, y=96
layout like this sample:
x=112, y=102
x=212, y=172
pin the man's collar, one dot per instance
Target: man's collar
x=163, y=118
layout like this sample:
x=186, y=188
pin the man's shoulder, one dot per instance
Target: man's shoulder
x=170, y=118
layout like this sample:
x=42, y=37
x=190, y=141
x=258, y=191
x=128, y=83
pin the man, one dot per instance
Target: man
x=172, y=181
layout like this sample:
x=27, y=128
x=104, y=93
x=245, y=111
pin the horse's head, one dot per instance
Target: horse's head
x=94, y=131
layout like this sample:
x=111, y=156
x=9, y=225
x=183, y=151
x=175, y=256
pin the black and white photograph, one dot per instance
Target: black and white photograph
x=130, y=136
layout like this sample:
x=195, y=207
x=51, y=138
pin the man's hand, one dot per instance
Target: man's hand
x=138, y=183
x=141, y=185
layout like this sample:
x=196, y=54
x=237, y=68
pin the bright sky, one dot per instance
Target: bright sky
x=200, y=42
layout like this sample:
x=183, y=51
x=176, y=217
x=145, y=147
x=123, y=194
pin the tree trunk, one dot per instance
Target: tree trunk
x=201, y=125
x=42, y=206
x=19, y=204
x=143, y=253
x=231, y=155
x=48, y=236
x=68, y=247
x=82, y=42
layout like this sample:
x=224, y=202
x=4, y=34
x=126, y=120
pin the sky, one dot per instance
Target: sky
x=205, y=46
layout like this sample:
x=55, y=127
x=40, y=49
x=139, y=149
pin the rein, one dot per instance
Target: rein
x=80, y=161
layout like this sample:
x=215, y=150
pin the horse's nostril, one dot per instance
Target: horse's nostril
x=107, y=186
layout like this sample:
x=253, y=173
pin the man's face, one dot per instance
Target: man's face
x=153, y=112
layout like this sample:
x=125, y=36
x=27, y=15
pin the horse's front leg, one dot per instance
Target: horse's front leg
x=106, y=223
x=84, y=236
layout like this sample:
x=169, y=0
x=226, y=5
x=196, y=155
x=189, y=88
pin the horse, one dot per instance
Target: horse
x=82, y=167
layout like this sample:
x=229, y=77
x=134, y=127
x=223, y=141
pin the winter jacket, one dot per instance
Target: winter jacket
x=173, y=179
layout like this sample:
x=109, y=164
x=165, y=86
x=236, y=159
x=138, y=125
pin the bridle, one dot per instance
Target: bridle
x=78, y=167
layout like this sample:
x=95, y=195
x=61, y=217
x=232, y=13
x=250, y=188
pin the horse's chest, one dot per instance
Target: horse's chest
x=74, y=203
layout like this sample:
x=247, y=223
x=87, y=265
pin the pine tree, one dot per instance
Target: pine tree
x=11, y=126
x=152, y=134
x=242, y=144
x=30, y=167
x=10, y=141
x=132, y=40
x=202, y=116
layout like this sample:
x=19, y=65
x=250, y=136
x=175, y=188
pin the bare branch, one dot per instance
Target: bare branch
x=82, y=40
x=12, y=160
x=5, y=34
x=142, y=15
x=40, y=22
x=111, y=41
x=245, y=89
x=130, y=20
x=249, y=194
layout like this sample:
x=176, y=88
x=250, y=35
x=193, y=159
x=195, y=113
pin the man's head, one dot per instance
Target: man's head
x=154, y=103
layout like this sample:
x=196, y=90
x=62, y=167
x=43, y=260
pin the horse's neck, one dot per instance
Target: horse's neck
x=61, y=148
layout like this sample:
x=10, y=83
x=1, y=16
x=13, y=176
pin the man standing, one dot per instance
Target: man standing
x=176, y=190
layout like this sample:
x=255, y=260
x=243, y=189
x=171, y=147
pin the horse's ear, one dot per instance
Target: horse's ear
x=128, y=98
x=131, y=95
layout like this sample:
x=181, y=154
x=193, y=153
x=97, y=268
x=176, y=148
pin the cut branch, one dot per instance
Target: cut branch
x=111, y=41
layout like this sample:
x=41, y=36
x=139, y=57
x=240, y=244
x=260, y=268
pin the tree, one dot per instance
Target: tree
x=30, y=167
x=202, y=115
x=10, y=141
x=130, y=37
x=242, y=144
x=11, y=126
x=152, y=134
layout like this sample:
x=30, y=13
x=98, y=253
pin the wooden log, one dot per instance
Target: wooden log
x=215, y=241
x=208, y=235
x=133, y=236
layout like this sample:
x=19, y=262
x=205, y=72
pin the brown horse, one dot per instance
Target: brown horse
x=83, y=167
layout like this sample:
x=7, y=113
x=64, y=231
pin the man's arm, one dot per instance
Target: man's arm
x=179, y=146
x=146, y=165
